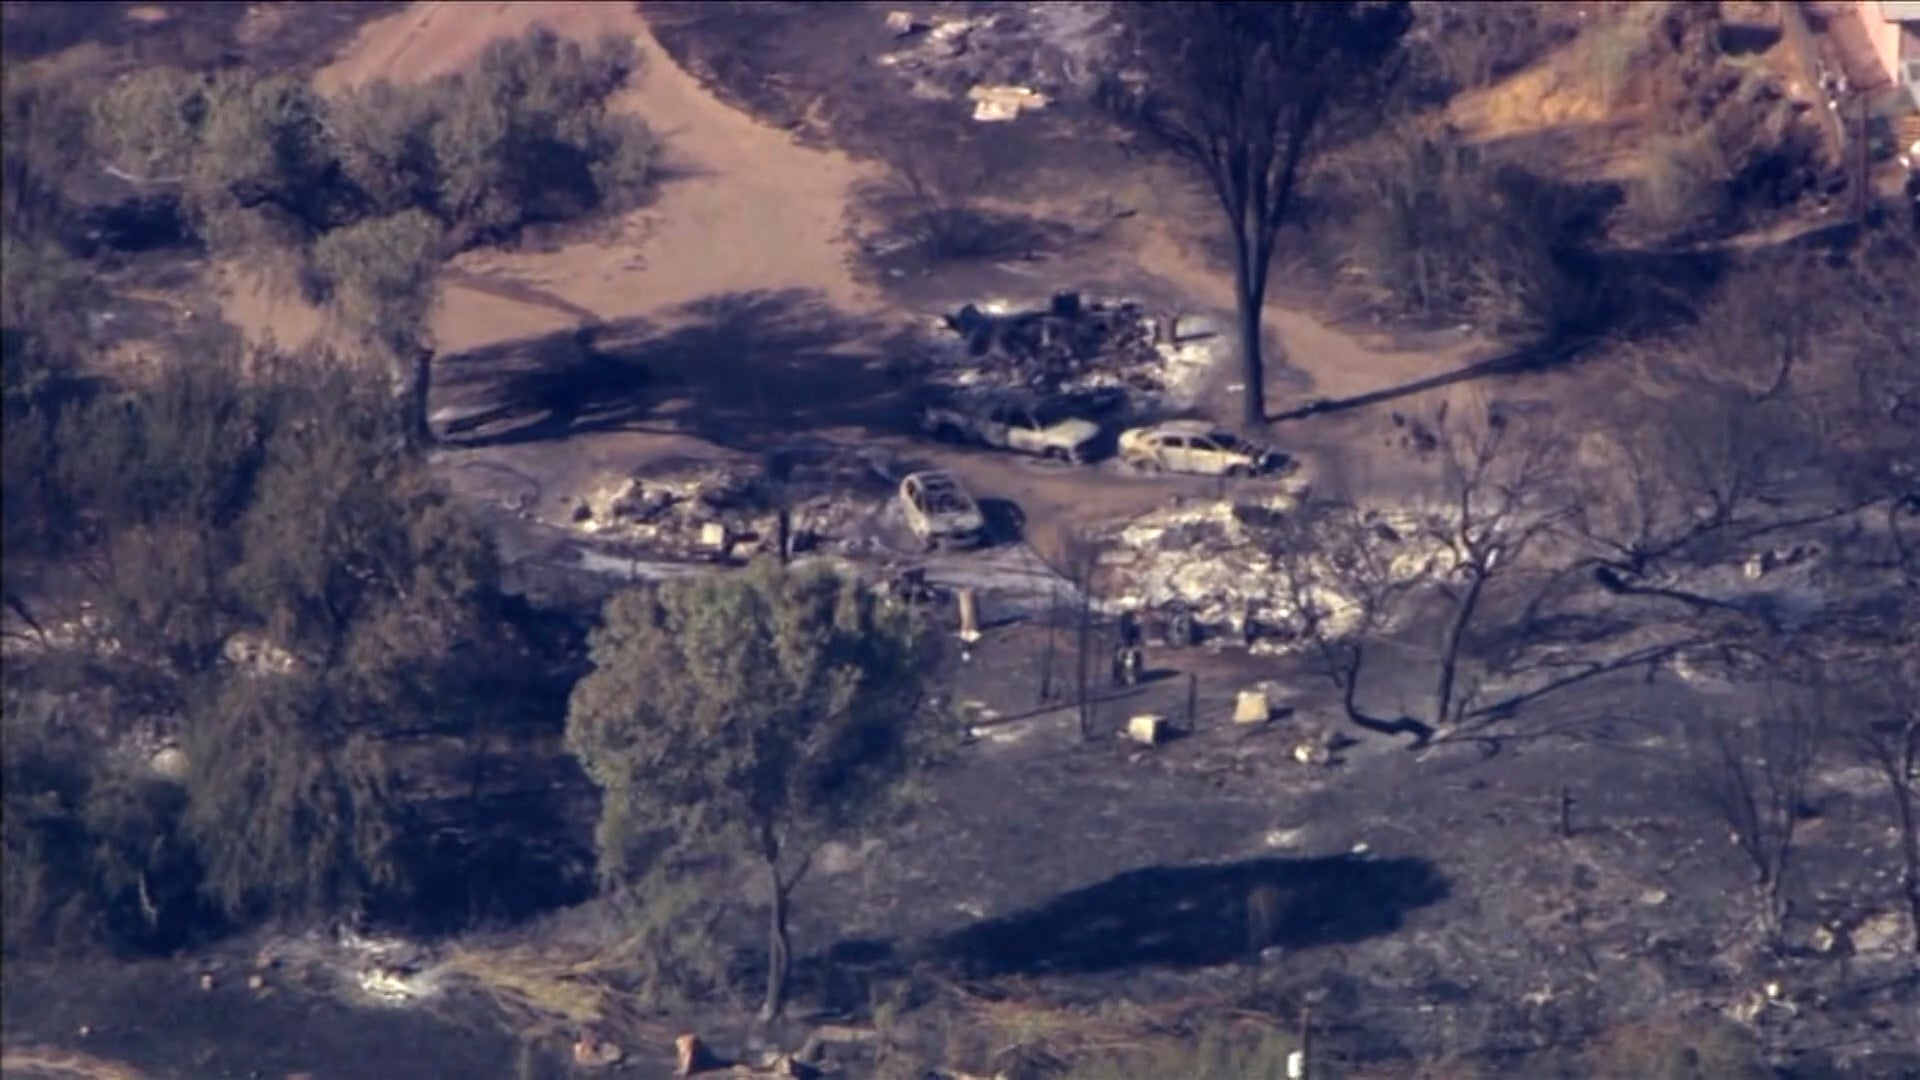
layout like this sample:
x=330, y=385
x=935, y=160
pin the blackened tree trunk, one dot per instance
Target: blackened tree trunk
x=419, y=387
x=1450, y=648
x=1244, y=94
x=1250, y=291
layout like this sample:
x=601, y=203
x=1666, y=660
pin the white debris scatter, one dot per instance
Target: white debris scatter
x=258, y=655
x=734, y=506
x=998, y=104
x=1212, y=559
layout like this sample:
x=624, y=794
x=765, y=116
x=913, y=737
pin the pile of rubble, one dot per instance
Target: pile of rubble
x=1017, y=60
x=1072, y=345
x=734, y=509
x=1210, y=570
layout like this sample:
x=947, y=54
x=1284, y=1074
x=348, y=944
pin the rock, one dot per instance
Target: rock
x=693, y=1057
x=1654, y=897
x=1883, y=934
x=590, y=1051
x=1148, y=729
x=256, y=982
x=901, y=24
x=996, y=104
x=1313, y=752
x=206, y=980
x=1252, y=707
x=169, y=762
x=1823, y=939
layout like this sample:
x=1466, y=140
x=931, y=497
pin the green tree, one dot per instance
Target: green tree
x=92, y=849
x=753, y=714
x=263, y=168
x=44, y=136
x=379, y=276
x=384, y=137
x=292, y=806
x=148, y=123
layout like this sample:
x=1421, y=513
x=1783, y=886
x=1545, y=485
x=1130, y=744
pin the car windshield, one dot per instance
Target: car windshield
x=942, y=495
x=1227, y=441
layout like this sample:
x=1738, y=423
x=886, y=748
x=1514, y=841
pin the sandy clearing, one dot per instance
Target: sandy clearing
x=745, y=207
x=1339, y=364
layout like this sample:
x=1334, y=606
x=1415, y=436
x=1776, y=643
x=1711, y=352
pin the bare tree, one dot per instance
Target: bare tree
x=1754, y=773
x=1335, y=571
x=1245, y=94
x=1880, y=723
x=1502, y=476
x=1688, y=468
x=1348, y=576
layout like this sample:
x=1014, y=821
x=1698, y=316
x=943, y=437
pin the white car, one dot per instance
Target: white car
x=940, y=512
x=1197, y=447
x=1046, y=430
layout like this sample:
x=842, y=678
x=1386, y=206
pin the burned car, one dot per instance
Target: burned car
x=1196, y=447
x=1044, y=428
x=940, y=512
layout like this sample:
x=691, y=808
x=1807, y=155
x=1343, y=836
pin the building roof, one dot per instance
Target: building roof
x=1900, y=11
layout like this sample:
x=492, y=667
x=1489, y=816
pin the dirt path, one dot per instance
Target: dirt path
x=52, y=1063
x=1339, y=364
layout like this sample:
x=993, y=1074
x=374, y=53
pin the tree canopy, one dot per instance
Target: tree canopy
x=752, y=715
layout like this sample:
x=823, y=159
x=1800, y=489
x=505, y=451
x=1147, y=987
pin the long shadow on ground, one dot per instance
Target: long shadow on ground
x=1197, y=916
x=738, y=369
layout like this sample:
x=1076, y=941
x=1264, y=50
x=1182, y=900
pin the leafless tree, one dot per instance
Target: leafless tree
x=1245, y=94
x=1681, y=471
x=1887, y=737
x=1754, y=772
x=1501, y=495
x=1879, y=722
x=1503, y=477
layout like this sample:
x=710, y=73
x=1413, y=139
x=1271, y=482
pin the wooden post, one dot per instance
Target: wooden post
x=1301, y=1068
x=969, y=614
x=1193, y=699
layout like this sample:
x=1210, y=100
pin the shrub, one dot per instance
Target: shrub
x=1449, y=233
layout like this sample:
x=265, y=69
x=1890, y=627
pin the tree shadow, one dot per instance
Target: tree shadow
x=1197, y=916
x=745, y=370
x=1635, y=296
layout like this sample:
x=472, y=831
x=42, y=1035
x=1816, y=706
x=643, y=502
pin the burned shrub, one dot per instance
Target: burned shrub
x=1447, y=231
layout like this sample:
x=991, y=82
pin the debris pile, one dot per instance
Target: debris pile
x=1073, y=345
x=997, y=104
x=735, y=509
x=1211, y=570
x=1005, y=64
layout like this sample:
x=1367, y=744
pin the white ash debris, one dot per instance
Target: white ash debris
x=1020, y=58
x=831, y=498
x=998, y=104
x=1219, y=561
x=258, y=655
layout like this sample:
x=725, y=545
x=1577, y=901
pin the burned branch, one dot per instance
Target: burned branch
x=1755, y=773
